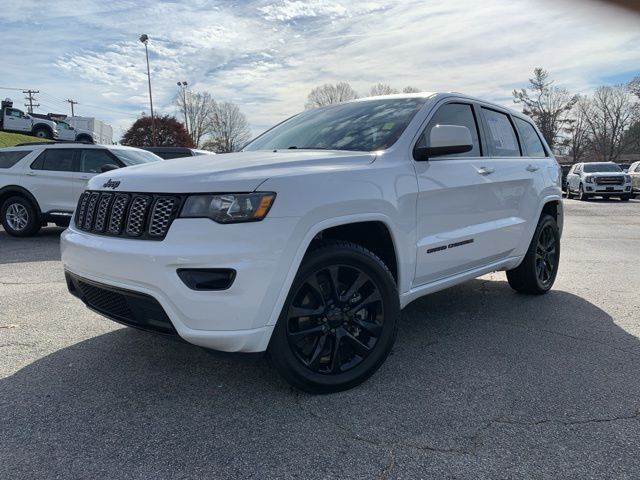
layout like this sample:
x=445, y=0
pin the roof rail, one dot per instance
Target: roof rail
x=52, y=143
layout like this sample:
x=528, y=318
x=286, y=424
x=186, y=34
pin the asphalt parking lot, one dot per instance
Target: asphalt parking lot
x=482, y=382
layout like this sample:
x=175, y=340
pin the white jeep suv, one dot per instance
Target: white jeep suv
x=310, y=241
x=40, y=182
x=602, y=179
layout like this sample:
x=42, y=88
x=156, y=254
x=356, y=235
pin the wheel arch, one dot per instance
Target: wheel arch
x=337, y=227
x=42, y=126
x=12, y=190
x=84, y=137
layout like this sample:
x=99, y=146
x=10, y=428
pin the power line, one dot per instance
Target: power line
x=30, y=98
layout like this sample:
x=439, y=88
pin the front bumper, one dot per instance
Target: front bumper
x=231, y=320
x=607, y=189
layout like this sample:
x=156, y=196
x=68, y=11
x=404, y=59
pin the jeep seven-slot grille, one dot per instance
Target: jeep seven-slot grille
x=145, y=216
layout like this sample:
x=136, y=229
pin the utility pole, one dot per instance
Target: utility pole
x=72, y=102
x=29, y=98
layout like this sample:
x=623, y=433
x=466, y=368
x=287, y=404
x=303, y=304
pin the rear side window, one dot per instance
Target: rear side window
x=56, y=160
x=501, y=138
x=530, y=140
x=460, y=114
x=9, y=159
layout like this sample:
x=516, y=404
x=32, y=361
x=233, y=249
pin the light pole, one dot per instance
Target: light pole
x=144, y=38
x=183, y=88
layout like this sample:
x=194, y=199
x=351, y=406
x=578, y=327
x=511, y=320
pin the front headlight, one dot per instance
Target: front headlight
x=588, y=179
x=627, y=179
x=229, y=207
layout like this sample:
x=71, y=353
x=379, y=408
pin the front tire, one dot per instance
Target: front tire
x=339, y=321
x=19, y=217
x=42, y=132
x=537, y=272
x=625, y=198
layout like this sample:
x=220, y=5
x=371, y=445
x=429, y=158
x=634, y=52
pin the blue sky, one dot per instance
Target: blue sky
x=266, y=55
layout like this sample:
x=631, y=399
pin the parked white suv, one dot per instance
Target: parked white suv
x=41, y=182
x=602, y=179
x=310, y=241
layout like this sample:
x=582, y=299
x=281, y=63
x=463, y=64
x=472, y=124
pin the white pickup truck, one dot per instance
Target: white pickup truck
x=15, y=120
x=309, y=242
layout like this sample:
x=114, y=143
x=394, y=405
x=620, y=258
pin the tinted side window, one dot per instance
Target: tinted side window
x=638, y=168
x=501, y=138
x=460, y=114
x=530, y=140
x=56, y=160
x=92, y=160
x=9, y=159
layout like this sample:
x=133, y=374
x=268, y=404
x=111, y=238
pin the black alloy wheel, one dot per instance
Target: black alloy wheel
x=335, y=319
x=339, y=320
x=546, y=256
x=537, y=272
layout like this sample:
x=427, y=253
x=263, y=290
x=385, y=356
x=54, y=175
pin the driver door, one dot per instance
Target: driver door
x=469, y=204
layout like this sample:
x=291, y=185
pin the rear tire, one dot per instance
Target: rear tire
x=569, y=193
x=625, y=198
x=19, y=217
x=537, y=272
x=581, y=195
x=352, y=310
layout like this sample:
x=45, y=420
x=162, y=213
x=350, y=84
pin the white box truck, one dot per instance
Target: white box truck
x=102, y=133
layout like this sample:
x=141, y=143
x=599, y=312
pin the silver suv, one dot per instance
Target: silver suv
x=598, y=179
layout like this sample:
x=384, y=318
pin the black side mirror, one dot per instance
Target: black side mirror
x=108, y=167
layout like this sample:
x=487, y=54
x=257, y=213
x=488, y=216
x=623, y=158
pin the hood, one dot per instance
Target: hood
x=230, y=172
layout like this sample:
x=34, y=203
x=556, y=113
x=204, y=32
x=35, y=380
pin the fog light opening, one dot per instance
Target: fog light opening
x=207, y=279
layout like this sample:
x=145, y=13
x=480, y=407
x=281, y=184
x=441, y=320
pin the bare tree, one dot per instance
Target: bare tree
x=229, y=128
x=382, y=89
x=578, y=136
x=328, y=93
x=547, y=105
x=197, y=109
x=609, y=115
x=410, y=89
x=634, y=86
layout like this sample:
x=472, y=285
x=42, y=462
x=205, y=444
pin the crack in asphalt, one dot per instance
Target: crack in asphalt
x=31, y=283
x=476, y=439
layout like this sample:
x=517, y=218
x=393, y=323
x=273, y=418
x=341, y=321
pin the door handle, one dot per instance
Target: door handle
x=31, y=174
x=85, y=177
x=486, y=170
x=532, y=168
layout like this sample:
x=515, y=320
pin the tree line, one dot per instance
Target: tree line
x=597, y=127
x=216, y=126
x=601, y=126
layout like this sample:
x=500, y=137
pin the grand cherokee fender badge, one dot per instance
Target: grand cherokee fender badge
x=113, y=184
x=451, y=245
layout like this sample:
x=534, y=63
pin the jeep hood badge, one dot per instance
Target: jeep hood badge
x=113, y=184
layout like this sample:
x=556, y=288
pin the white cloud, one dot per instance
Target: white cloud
x=267, y=55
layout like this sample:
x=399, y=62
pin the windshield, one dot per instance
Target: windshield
x=601, y=167
x=135, y=157
x=360, y=126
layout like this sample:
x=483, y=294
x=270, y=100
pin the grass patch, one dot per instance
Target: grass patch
x=10, y=139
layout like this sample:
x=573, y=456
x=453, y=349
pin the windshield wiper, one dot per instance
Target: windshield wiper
x=295, y=147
